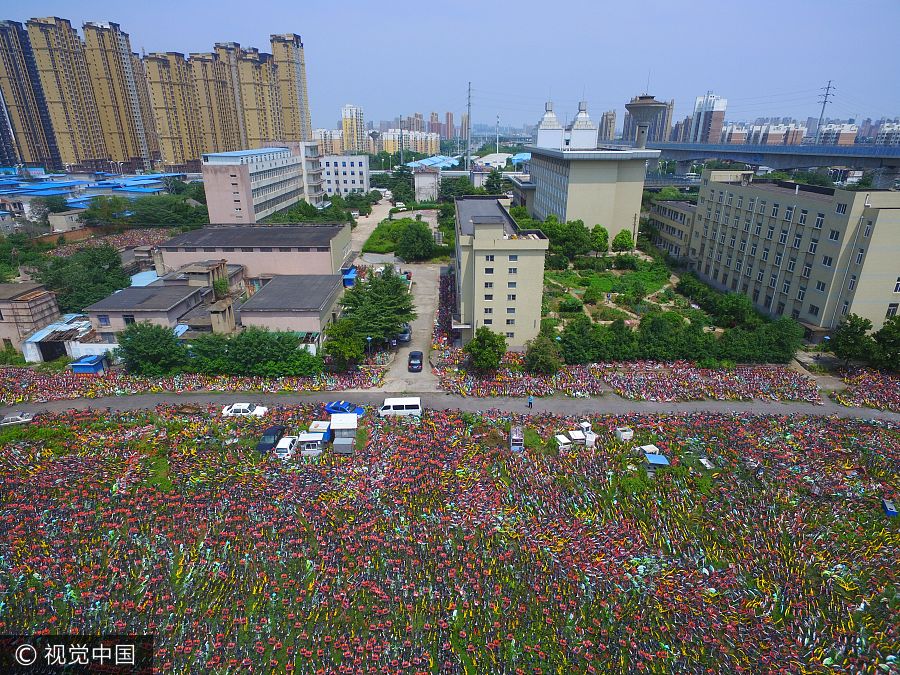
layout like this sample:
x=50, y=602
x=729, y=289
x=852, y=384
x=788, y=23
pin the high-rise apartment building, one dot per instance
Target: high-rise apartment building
x=434, y=124
x=116, y=86
x=888, y=134
x=681, y=131
x=26, y=135
x=290, y=69
x=353, y=126
x=804, y=251
x=660, y=126
x=837, y=134
x=708, y=119
x=174, y=103
x=63, y=74
x=416, y=141
x=607, y=131
x=464, y=127
x=217, y=108
x=331, y=141
x=259, y=93
x=229, y=54
x=449, y=128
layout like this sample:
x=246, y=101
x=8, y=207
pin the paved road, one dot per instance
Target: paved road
x=608, y=403
x=425, y=290
x=365, y=225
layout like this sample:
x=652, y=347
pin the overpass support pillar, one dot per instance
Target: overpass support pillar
x=683, y=166
x=886, y=177
x=653, y=165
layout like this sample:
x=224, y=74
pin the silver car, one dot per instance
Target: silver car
x=17, y=418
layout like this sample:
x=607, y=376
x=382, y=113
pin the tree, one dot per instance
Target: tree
x=84, y=277
x=486, y=350
x=600, y=239
x=343, y=343
x=416, y=242
x=887, y=339
x=542, y=355
x=148, y=349
x=379, y=305
x=493, y=184
x=104, y=209
x=577, y=342
x=623, y=241
x=166, y=210
x=51, y=204
x=851, y=340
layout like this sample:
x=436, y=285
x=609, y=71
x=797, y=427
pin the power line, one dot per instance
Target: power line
x=828, y=89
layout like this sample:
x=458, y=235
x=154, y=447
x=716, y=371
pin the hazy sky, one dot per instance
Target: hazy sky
x=766, y=57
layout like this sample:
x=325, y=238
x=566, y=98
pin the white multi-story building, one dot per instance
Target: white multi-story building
x=888, y=134
x=343, y=174
x=246, y=186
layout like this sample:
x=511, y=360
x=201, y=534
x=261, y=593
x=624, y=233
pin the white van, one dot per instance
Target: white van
x=401, y=406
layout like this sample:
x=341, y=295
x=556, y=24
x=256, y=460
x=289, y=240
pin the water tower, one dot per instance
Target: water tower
x=644, y=109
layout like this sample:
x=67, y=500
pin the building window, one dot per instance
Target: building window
x=803, y=214
x=797, y=238
x=128, y=319
x=488, y=284
x=852, y=283
x=488, y=310
x=841, y=209
x=792, y=262
x=834, y=235
x=891, y=310
x=770, y=232
x=513, y=258
x=489, y=258
x=488, y=270
x=760, y=275
x=868, y=229
x=509, y=335
x=845, y=308
x=795, y=314
x=102, y=319
x=757, y=229
x=773, y=280
x=782, y=238
x=488, y=322
x=820, y=220
x=859, y=256
x=752, y=249
x=780, y=309
x=786, y=288
x=801, y=293
x=774, y=210
x=510, y=322
x=789, y=213
x=488, y=297
x=765, y=255
x=814, y=310
x=513, y=270
x=827, y=260
x=511, y=297
x=755, y=295
x=510, y=310
x=897, y=286
x=768, y=302
x=813, y=245
x=778, y=259
x=510, y=284
x=806, y=270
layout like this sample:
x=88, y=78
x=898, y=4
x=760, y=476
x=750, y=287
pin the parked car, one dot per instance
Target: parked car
x=405, y=334
x=414, y=364
x=333, y=407
x=286, y=446
x=270, y=438
x=244, y=410
x=17, y=418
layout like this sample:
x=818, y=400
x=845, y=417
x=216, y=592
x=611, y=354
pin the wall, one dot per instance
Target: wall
x=259, y=263
x=293, y=321
x=340, y=251
x=881, y=270
x=218, y=184
x=606, y=192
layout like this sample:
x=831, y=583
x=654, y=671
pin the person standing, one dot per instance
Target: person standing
x=530, y=401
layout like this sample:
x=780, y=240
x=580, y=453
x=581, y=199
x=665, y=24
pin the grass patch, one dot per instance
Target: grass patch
x=609, y=314
x=532, y=438
x=386, y=235
x=159, y=473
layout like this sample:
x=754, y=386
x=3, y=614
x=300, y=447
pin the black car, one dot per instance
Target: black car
x=414, y=364
x=270, y=438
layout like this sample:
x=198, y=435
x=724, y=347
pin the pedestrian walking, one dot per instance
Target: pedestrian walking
x=530, y=401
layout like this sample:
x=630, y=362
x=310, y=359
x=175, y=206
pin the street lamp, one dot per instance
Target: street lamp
x=369, y=345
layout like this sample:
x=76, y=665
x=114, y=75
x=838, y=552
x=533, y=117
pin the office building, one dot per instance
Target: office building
x=343, y=174
x=26, y=134
x=812, y=253
x=23, y=309
x=449, y=127
x=63, y=74
x=173, y=101
x=353, y=128
x=290, y=65
x=117, y=86
x=499, y=272
x=672, y=223
x=837, y=134
x=263, y=251
x=660, y=126
x=708, y=119
x=331, y=141
x=607, y=131
x=219, y=116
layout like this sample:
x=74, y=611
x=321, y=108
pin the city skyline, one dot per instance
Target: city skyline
x=769, y=89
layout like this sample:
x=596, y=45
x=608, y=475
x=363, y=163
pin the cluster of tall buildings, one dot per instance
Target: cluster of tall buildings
x=355, y=135
x=91, y=103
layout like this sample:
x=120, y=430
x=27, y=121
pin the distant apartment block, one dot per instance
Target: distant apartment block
x=888, y=134
x=353, y=128
x=263, y=251
x=812, y=253
x=416, y=141
x=708, y=119
x=23, y=309
x=838, y=134
x=343, y=174
x=331, y=141
x=607, y=130
x=499, y=272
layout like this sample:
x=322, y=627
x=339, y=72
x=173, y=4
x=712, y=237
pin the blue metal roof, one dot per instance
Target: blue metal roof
x=656, y=460
x=520, y=157
x=237, y=153
x=127, y=188
x=89, y=360
x=180, y=329
x=437, y=162
x=143, y=278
